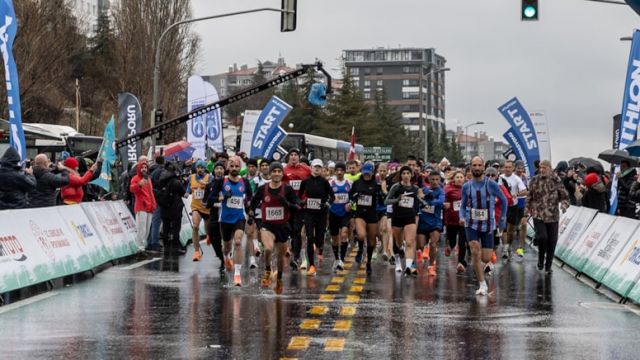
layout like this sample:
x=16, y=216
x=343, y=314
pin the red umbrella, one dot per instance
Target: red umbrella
x=175, y=147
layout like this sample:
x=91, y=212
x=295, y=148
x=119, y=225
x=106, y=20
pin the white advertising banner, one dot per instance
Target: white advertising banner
x=539, y=120
x=624, y=273
x=248, y=126
x=608, y=249
x=86, y=236
x=115, y=236
x=574, y=228
x=577, y=255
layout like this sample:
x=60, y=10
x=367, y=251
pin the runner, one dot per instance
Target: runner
x=405, y=198
x=477, y=208
x=211, y=195
x=294, y=173
x=516, y=187
x=522, y=231
x=366, y=193
x=233, y=197
x=316, y=194
x=455, y=232
x=430, y=224
x=492, y=174
x=339, y=216
x=252, y=179
x=383, y=229
x=276, y=200
x=196, y=186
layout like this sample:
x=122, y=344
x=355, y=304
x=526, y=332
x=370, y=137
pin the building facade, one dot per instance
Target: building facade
x=87, y=13
x=478, y=144
x=410, y=79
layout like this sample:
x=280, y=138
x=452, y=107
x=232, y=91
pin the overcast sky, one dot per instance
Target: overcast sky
x=569, y=64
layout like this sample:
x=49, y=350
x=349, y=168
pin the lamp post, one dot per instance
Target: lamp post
x=466, y=139
x=426, y=122
x=156, y=66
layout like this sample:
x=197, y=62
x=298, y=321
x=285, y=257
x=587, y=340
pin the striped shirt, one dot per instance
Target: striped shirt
x=477, y=206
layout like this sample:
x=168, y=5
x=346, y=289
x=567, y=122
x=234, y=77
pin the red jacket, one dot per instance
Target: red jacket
x=452, y=193
x=293, y=175
x=498, y=207
x=73, y=193
x=145, y=200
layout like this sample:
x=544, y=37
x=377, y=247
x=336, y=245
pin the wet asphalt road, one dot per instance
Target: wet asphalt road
x=174, y=308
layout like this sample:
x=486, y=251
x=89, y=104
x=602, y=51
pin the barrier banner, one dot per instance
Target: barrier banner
x=116, y=238
x=86, y=236
x=577, y=254
x=575, y=228
x=625, y=270
x=608, y=249
x=522, y=127
x=634, y=294
x=267, y=126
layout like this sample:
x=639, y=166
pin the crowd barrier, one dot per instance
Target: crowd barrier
x=37, y=245
x=603, y=247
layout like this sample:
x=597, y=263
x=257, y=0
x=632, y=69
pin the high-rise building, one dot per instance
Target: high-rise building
x=87, y=13
x=409, y=78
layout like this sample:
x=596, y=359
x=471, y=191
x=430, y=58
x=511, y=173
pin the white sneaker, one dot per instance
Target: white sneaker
x=483, y=290
x=340, y=265
x=334, y=267
x=252, y=263
x=304, y=265
x=398, y=267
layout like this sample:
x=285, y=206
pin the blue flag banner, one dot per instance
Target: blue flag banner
x=108, y=155
x=276, y=140
x=520, y=151
x=630, y=110
x=522, y=128
x=268, y=128
x=8, y=29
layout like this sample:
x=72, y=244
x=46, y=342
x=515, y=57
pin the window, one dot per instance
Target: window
x=379, y=71
x=410, y=95
x=367, y=83
x=379, y=83
x=367, y=71
x=354, y=71
x=367, y=95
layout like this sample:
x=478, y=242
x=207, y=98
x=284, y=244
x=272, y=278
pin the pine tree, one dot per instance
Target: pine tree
x=384, y=127
x=304, y=116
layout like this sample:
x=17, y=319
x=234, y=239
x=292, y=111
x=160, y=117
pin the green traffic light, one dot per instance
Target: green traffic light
x=529, y=12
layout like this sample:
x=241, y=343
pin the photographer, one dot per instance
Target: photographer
x=14, y=182
x=47, y=182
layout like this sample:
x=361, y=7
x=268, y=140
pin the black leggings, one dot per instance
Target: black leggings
x=547, y=236
x=315, y=225
x=215, y=236
x=171, y=231
x=456, y=232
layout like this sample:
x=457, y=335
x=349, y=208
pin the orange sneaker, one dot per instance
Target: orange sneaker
x=311, y=271
x=425, y=253
x=494, y=258
x=432, y=270
x=228, y=263
x=447, y=251
x=197, y=255
x=266, y=279
x=237, y=280
x=278, y=288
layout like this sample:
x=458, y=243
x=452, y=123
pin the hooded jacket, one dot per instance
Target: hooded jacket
x=46, y=184
x=171, y=187
x=624, y=188
x=145, y=200
x=73, y=193
x=14, y=183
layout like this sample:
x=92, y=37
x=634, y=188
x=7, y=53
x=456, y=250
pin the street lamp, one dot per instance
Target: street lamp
x=426, y=122
x=466, y=139
x=626, y=38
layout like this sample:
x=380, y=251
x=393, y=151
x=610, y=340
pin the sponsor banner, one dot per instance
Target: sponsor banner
x=574, y=229
x=22, y=261
x=127, y=220
x=624, y=273
x=275, y=142
x=196, y=127
x=518, y=149
x=215, y=138
x=108, y=155
x=248, y=126
x=8, y=30
x=577, y=254
x=608, y=249
x=630, y=111
x=267, y=126
x=541, y=126
x=116, y=238
x=129, y=123
x=617, y=122
x=85, y=235
x=522, y=127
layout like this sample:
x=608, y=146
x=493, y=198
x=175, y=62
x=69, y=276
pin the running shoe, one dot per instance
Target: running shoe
x=311, y=271
x=197, y=255
x=460, y=268
x=425, y=253
x=266, y=279
x=304, y=265
x=252, y=263
x=505, y=252
x=294, y=264
x=278, y=288
x=257, y=251
x=334, y=266
x=494, y=258
x=374, y=256
x=432, y=270
x=488, y=269
x=540, y=266
x=447, y=251
x=398, y=267
x=385, y=257
x=359, y=257
x=340, y=265
x=407, y=271
x=549, y=271
x=392, y=260
x=228, y=263
x=483, y=290
x=419, y=257
x=221, y=268
x=414, y=272
x=520, y=253
x=369, y=269
x=237, y=280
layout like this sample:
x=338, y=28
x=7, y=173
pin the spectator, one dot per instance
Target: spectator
x=155, y=172
x=595, y=194
x=626, y=178
x=142, y=190
x=47, y=182
x=169, y=200
x=15, y=183
x=73, y=193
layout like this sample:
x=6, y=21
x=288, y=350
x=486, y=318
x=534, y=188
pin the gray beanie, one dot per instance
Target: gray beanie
x=275, y=165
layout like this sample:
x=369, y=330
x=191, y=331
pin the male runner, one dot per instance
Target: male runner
x=516, y=187
x=252, y=178
x=196, y=186
x=339, y=216
x=294, y=173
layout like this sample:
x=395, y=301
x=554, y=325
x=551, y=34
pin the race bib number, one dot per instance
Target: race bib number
x=216, y=205
x=365, y=200
x=274, y=213
x=295, y=184
x=313, y=204
x=198, y=194
x=456, y=205
x=390, y=209
x=235, y=202
x=429, y=209
x=406, y=202
x=479, y=214
x=342, y=198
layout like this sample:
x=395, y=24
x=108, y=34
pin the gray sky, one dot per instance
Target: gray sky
x=569, y=64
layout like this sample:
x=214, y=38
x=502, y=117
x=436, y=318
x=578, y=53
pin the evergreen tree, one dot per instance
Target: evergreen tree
x=384, y=128
x=304, y=116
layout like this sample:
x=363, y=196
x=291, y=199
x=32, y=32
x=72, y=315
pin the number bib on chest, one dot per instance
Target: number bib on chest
x=342, y=198
x=313, y=204
x=274, y=213
x=295, y=184
x=198, y=194
x=390, y=209
x=479, y=214
x=406, y=202
x=365, y=200
x=234, y=202
x=456, y=205
x=429, y=209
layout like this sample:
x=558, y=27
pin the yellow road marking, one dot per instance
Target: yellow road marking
x=337, y=280
x=334, y=344
x=326, y=297
x=310, y=324
x=362, y=272
x=333, y=288
x=347, y=266
x=348, y=310
x=353, y=299
x=342, y=325
x=284, y=358
x=342, y=272
x=299, y=343
x=318, y=310
x=356, y=288
x=359, y=280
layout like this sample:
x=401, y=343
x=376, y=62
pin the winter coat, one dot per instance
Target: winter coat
x=624, y=187
x=73, y=193
x=14, y=183
x=545, y=193
x=145, y=200
x=452, y=193
x=46, y=185
x=172, y=191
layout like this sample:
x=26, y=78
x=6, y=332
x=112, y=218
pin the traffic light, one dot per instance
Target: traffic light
x=288, y=19
x=529, y=10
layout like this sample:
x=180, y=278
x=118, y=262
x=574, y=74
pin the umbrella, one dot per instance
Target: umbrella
x=616, y=156
x=180, y=150
x=634, y=148
x=587, y=162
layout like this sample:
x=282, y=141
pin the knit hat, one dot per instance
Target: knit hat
x=201, y=163
x=591, y=179
x=219, y=164
x=275, y=165
x=71, y=163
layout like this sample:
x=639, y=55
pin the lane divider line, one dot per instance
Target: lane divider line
x=25, y=302
x=141, y=263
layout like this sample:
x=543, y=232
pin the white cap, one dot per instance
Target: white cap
x=316, y=162
x=331, y=165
